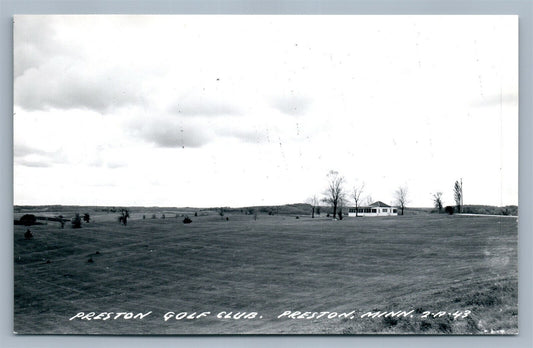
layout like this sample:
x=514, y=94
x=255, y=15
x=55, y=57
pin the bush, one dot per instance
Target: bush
x=187, y=220
x=28, y=235
x=449, y=210
x=76, y=221
x=28, y=220
x=123, y=218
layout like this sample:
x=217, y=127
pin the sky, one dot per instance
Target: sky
x=216, y=110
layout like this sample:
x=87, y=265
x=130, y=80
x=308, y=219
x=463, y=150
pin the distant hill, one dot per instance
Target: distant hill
x=297, y=209
x=490, y=210
x=286, y=209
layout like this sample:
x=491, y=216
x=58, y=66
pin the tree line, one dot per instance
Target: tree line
x=457, y=196
x=337, y=196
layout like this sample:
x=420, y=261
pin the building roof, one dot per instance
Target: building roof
x=380, y=204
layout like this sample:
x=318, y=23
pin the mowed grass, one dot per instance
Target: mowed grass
x=270, y=265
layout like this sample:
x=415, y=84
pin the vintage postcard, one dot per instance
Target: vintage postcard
x=238, y=174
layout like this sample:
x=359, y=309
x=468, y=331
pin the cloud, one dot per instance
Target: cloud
x=243, y=130
x=33, y=38
x=202, y=105
x=98, y=162
x=21, y=150
x=30, y=156
x=56, y=68
x=33, y=164
x=246, y=135
x=174, y=137
x=292, y=104
x=174, y=131
x=66, y=84
x=495, y=100
x=169, y=132
x=114, y=165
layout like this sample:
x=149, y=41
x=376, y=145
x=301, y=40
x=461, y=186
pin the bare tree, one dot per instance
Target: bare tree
x=356, y=195
x=340, y=206
x=335, y=191
x=437, y=201
x=458, y=194
x=313, y=202
x=369, y=200
x=401, y=197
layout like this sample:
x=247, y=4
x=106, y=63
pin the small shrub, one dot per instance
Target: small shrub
x=153, y=216
x=187, y=220
x=163, y=216
x=449, y=210
x=28, y=235
x=297, y=217
x=425, y=325
x=76, y=221
x=28, y=220
x=123, y=218
x=444, y=327
x=390, y=321
x=86, y=217
x=487, y=299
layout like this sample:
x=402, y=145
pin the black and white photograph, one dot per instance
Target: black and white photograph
x=265, y=174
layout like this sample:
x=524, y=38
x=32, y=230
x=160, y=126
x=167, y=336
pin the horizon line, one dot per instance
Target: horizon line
x=234, y=207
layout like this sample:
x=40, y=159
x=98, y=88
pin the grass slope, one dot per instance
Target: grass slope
x=269, y=265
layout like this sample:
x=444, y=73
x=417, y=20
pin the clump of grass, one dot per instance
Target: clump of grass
x=482, y=299
x=390, y=321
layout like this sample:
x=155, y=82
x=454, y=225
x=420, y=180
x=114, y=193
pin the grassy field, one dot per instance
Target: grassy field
x=423, y=262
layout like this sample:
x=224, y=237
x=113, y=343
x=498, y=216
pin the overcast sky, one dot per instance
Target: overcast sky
x=255, y=110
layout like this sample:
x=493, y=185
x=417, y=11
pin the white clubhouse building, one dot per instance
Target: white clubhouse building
x=375, y=209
